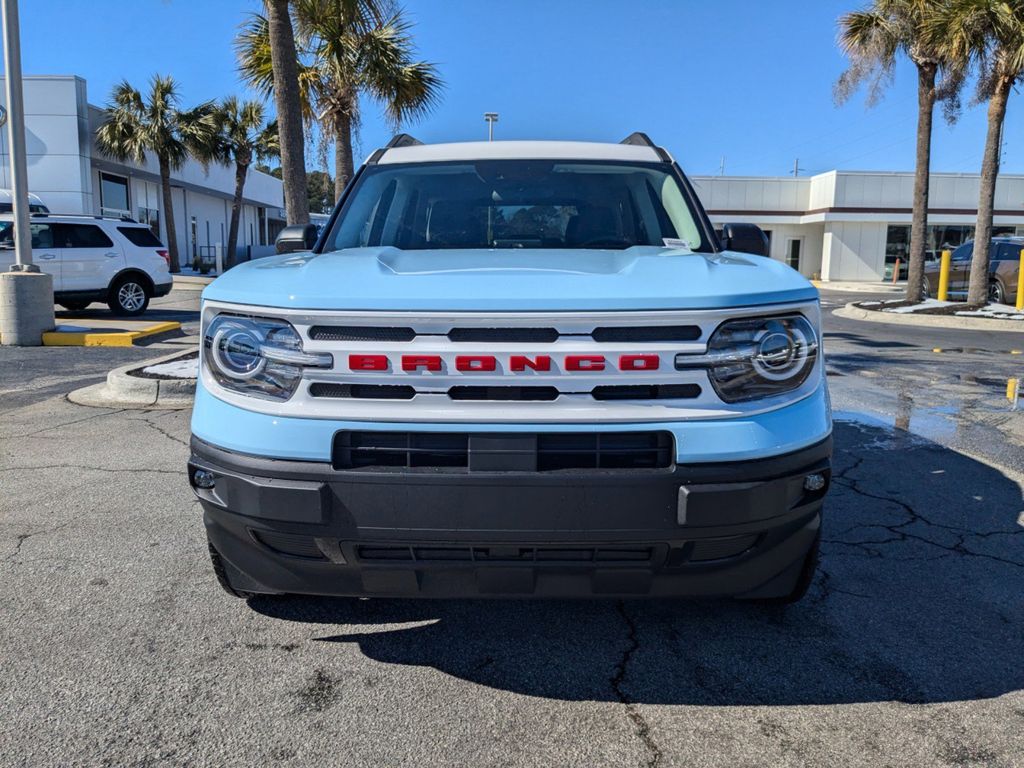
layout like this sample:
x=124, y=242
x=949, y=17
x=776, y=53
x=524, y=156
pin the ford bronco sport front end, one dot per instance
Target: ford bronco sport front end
x=513, y=369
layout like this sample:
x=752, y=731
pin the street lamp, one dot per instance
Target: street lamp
x=491, y=118
x=26, y=294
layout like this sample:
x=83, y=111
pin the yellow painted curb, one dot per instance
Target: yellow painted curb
x=105, y=339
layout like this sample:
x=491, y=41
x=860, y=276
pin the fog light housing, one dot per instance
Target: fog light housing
x=203, y=478
x=814, y=482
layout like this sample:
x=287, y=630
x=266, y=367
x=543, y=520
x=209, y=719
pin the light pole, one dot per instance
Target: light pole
x=491, y=118
x=26, y=294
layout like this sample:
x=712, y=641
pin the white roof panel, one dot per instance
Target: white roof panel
x=519, y=150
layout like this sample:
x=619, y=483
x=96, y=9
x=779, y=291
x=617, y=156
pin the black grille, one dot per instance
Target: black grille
x=520, y=452
x=290, y=544
x=362, y=391
x=648, y=333
x=506, y=554
x=504, y=393
x=604, y=450
x=647, y=392
x=360, y=333
x=539, y=335
x=401, y=450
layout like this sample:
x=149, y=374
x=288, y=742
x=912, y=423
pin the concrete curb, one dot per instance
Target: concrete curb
x=124, y=391
x=852, y=312
x=844, y=287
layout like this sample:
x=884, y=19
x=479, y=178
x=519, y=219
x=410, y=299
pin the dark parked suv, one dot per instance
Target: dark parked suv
x=1003, y=267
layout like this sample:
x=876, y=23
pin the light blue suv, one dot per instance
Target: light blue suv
x=514, y=369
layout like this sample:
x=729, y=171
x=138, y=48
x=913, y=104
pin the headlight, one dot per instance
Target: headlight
x=257, y=356
x=758, y=357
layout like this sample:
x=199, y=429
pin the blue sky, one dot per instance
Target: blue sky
x=749, y=80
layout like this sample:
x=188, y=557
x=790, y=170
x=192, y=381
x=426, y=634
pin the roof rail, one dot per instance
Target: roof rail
x=44, y=214
x=641, y=139
x=401, y=140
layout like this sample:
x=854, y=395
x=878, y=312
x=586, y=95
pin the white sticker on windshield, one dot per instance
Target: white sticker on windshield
x=675, y=242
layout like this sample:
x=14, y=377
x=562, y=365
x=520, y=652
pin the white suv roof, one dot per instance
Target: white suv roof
x=517, y=150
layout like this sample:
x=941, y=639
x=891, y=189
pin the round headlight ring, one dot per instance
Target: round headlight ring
x=783, y=350
x=236, y=352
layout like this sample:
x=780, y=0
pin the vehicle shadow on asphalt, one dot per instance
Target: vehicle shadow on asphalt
x=920, y=599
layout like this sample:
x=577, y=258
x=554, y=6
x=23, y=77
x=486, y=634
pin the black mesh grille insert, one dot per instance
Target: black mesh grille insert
x=506, y=554
x=521, y=452
x=360, y=333
x=647, y=392
x=648, y=333
x=541, y=335
x=400, y=450
x=290, y=544
x=504, y=393
x=604, y=450
x=362, y=391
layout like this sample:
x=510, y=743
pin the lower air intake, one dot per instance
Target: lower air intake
x=501, y=452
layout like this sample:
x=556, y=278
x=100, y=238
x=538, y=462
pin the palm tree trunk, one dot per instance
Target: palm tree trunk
x=343, y=165
x=168, y=213
x=241, y=170
x=289, y=111
x=977, y=290
x=922, y=171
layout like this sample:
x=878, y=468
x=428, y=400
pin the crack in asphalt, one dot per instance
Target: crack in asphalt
x=21, y=538
x=898, y=535
x=64, y=424
x=149, y=422
x=86, y=467
x=643, y=728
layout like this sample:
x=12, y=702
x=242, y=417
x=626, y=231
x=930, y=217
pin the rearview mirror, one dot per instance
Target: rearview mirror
x=297, y=237
x=745, y=238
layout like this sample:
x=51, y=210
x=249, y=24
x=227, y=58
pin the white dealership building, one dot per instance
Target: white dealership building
x=69, y=173
x=839, y=225
x=848, y=225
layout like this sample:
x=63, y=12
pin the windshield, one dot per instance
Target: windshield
x=516, y=204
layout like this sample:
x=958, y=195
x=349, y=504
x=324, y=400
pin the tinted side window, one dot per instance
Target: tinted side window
x=963, y=253
x=83, y=236
x=141, y=236
x=1008, y=252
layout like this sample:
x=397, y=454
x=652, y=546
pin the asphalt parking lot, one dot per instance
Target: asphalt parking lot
x=119, y=648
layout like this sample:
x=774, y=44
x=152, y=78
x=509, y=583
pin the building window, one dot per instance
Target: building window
x=897, y=243
x=150, y=216
x=793, y=246
x=114, y=195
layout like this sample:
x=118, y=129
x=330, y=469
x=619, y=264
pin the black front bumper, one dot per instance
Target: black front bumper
x=740, y=529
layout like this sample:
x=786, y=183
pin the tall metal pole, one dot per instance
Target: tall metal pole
x=26, y=294
x=16, y=138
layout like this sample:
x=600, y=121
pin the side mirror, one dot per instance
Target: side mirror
x=297, y=237
x=745, y=238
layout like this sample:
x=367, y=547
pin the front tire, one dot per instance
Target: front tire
x=996, y=292
x=222, y=575
x=129, y=296
x=804, y=579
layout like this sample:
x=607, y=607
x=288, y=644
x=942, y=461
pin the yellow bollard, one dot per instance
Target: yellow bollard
x=1011, y=389
x=1020, y=282
x=947, y=256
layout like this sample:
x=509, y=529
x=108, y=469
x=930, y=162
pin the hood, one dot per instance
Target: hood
x=638, y=278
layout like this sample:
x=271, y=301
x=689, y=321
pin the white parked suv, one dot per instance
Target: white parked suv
x=94, y=258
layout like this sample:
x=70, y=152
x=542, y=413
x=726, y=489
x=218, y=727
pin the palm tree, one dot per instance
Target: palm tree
x=242, y=136
x=347, y=49
x=282, y=63
x=991, y=33
x=134, y=126
x=872, y=39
